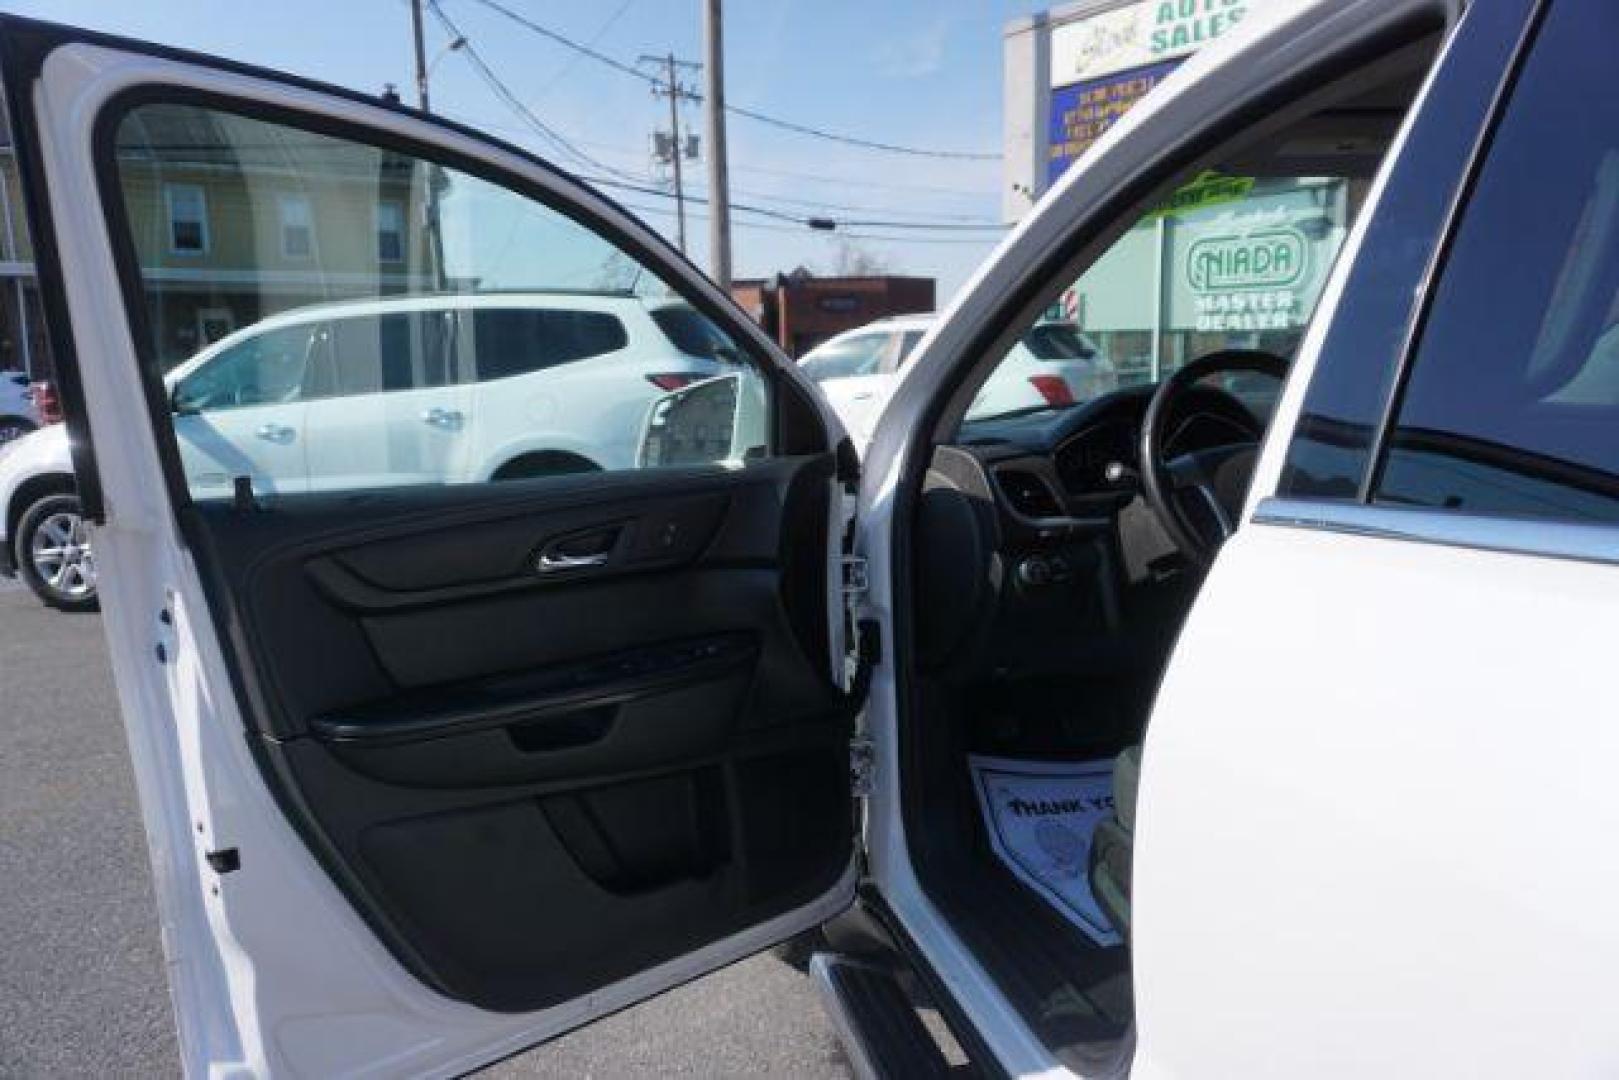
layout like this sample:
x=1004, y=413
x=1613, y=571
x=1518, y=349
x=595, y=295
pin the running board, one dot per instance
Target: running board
x=879, y=1027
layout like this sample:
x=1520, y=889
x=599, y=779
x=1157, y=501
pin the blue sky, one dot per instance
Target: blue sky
x=917, y=72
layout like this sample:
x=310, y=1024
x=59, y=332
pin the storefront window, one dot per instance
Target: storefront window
x=1227, y=262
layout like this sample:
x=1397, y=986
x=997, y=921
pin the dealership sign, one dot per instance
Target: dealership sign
x=1147, y=32
x=1102, y=64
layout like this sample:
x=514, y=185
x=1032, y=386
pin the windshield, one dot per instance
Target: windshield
x=1225, y=263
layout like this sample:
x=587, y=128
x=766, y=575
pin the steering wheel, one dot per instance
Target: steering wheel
x=1198, y=495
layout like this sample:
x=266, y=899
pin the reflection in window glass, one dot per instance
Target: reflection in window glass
x=1512, y=403
x=451, y=330
x=1226, y=262
x=390, y=231
x=297, y=230
x=188, y=219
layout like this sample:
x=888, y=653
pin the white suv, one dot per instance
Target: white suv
x=438, y=389
x=1054, y=365
x=434, y=390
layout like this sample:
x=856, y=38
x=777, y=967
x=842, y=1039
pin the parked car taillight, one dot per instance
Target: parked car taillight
x=47, y=402
x=672, y=380
x=1053, y=388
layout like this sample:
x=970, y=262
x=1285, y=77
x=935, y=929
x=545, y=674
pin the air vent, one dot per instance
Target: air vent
x=1028, y=494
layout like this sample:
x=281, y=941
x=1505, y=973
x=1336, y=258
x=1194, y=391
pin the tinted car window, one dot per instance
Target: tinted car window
x=1512, y=401
x=907, y=345
x=692, y=333
x=517, y=341
x=1331, y=448
x=369, y=354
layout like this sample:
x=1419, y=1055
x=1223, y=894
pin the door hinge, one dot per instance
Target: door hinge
x=167, y=641
x=862, y=766
x=856, y=577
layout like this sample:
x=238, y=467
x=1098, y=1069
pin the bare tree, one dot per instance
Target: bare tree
x=856, y=261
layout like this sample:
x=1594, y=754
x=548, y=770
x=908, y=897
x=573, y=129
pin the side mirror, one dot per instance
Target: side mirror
x=717, y=420
x=179, y=405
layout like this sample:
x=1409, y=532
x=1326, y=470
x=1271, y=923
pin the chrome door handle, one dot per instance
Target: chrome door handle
x=448, y=419
x=276, y=433
x=551, y=562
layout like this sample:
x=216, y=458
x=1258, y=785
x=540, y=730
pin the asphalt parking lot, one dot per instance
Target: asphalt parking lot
x=82, y=988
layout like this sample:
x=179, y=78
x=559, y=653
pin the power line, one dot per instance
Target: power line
x=620, y=180
x=601, y=32
x=513, y=102
x=762, y=170
x=759, y=226
x=739, y=110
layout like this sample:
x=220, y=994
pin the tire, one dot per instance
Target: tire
x=13, y=428
x=545, y=463
x=53, y=554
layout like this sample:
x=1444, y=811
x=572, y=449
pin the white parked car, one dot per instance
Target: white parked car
x=440, y=389
x=1055, y=365
x=1173, y=733
x=18, y=414
x=465, y=388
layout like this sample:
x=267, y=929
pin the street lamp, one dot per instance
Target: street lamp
x=455, y=46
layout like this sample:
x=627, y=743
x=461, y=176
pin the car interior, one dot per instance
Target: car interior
x=1053, y=556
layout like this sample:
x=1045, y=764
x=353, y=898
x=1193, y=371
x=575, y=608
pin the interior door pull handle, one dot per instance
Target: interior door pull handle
x=449, y=419
x=276, y=433
x=552, y=562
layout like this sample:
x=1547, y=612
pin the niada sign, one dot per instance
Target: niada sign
x=1267, y=259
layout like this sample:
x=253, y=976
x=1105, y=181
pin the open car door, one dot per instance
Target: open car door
x=431, y=771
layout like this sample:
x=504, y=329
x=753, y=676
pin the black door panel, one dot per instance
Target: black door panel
x=647, y=751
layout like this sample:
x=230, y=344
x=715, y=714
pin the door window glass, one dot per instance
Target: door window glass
x=265, y=369
x=1512, y=401
x=220, y=210
x=846, y=359
x=1225, y=262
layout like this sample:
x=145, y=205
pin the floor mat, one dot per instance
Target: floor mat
x=1040, y=816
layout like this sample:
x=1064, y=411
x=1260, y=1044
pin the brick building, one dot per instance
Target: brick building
x=801, y=310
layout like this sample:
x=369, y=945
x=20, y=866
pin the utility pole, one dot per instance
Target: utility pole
x=669, y=86
x=719, y=190
x=421, y=54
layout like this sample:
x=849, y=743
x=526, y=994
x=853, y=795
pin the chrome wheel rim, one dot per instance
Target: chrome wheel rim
x=61, y=554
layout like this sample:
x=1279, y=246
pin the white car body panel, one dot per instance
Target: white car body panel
x=1347, y=773
x=859, y=401
x=251, y=999
x=45, y=452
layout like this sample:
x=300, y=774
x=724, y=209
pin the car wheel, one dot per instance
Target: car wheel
x=53, y=554
x=13, y=428
x=545, y=463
